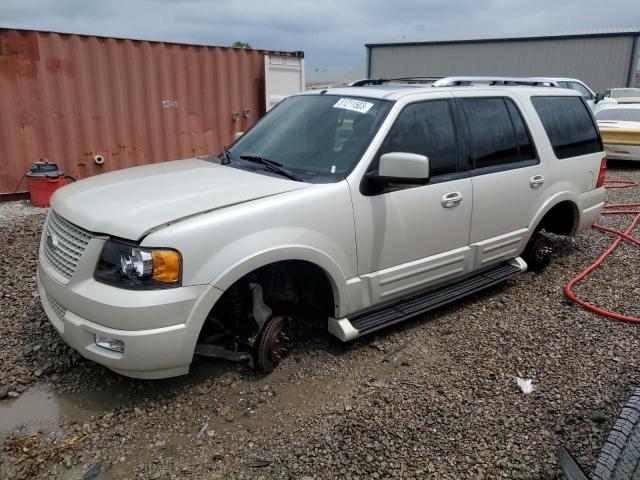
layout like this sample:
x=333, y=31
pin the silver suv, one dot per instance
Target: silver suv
x=358, y=206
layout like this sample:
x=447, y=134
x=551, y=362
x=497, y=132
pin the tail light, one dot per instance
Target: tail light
x=603, y=173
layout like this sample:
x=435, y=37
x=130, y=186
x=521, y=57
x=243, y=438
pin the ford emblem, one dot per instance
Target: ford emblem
x=52, y=241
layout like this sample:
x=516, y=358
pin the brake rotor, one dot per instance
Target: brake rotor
x=274, y=343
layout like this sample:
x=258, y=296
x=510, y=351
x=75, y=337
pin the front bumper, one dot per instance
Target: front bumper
x=160, y=352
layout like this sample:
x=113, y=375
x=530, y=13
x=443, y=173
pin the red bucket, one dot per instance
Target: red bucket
x=43, y=179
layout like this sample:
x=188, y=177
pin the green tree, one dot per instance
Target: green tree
x=239, y=44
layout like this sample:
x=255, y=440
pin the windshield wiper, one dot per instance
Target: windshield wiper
x=226, y=156
x=271, y=165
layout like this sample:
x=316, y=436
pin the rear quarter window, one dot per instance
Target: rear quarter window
x=569, y=125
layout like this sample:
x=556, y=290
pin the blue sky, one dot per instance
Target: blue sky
x=331, y=33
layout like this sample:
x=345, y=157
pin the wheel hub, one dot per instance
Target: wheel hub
x=274, y=343
x=543, y=252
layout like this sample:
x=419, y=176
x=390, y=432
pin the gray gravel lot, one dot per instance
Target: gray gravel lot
x=433, y=398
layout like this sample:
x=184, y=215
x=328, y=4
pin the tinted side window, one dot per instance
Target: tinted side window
x=425, y=128
x=569, y=126
x=492, y=138
x=523, y=139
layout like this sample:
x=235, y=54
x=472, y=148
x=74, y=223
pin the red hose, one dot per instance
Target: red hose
x=609, y=210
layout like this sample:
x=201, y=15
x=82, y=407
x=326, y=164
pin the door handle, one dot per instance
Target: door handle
x=450, y=200
x=536, y=181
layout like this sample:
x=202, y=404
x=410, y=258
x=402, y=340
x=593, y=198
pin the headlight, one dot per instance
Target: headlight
x=131, y=266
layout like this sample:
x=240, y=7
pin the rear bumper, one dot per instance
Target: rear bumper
x=160, y=352
x=591, y=205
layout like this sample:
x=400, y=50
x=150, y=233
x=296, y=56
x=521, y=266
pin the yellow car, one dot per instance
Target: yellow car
x=620, y=129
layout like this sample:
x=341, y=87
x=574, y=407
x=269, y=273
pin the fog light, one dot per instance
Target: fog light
x=109, y=343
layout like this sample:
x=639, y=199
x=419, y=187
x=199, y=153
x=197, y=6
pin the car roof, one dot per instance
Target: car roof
x=394, y=92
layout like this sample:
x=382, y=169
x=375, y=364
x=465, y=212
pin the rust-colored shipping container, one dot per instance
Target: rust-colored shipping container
x=79, y=99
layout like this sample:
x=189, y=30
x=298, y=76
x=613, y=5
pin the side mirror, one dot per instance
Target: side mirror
x=599, y=97
x=400, y=167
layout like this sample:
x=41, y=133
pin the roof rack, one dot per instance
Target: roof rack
x=460, y=81
x=463, y=81
x=380, y=81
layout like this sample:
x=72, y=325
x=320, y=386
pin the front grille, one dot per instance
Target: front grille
x=64, y=244
x=57, y=308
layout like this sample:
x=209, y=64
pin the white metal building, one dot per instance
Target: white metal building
x=601, y=58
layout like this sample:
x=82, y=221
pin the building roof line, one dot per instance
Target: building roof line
x=612, y=32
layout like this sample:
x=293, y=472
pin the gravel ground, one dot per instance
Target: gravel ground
x=433, y=398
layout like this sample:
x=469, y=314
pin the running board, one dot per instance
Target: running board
x=347, y=329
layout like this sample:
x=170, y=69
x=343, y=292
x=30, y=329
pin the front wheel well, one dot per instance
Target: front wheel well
x=296, y=282
x=292, y=287
x=562, y=219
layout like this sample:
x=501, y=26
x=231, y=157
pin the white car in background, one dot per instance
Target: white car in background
x=623, y=95
x=582, y=88
x=620, y=129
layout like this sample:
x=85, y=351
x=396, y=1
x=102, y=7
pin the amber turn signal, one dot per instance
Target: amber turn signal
x=166, y=266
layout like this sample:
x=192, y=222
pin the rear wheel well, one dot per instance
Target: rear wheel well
x=562, y=219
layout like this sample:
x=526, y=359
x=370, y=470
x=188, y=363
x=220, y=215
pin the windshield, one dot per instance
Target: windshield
x=619, y=114
x=319, y=138
x=626, y=92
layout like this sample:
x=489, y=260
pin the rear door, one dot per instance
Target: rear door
x=508, y=179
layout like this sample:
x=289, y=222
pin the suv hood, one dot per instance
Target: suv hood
x=129, y=203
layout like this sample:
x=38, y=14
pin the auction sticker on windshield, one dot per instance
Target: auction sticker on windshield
x=359, y=106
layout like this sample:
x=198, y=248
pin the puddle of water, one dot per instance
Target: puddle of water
x=43, y=409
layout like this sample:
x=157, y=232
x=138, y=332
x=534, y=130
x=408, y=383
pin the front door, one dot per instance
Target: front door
x=412, y=237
